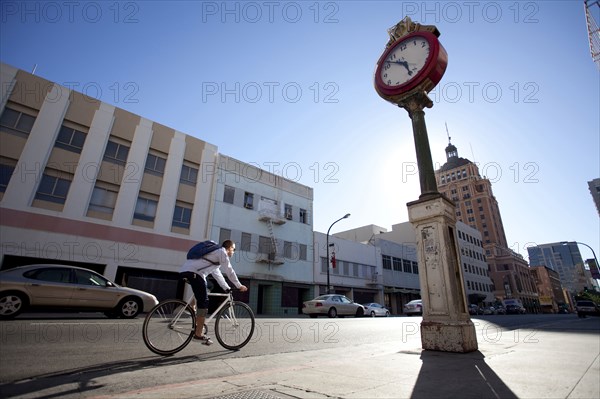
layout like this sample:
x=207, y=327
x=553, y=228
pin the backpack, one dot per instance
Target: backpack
x=202, y=248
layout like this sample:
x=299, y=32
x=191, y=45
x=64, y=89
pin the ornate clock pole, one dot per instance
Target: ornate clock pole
x=412, y=64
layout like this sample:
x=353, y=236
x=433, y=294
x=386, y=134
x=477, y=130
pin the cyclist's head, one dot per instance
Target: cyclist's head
x=229, y=247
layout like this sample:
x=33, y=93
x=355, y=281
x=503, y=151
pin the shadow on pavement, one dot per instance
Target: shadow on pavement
x=458, y=375
x=84, y=377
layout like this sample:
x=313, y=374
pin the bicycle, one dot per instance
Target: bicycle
x=170, y=326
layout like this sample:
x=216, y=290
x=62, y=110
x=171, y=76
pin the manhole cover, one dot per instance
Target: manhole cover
x=255, y=394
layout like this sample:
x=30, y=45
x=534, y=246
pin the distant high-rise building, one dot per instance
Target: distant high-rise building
x=594, y=186
x=459, y=180
x=565, y=259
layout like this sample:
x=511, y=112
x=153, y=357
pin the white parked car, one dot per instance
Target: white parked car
x=374, y=309
x=414, y=307
x=332, y=305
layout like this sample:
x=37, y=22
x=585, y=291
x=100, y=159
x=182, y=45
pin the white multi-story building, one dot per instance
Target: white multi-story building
x=357, y=272
x=270, y=219
x=400, y=270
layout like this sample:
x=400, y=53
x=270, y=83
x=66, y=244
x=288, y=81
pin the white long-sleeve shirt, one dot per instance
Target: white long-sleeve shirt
x=203, y=267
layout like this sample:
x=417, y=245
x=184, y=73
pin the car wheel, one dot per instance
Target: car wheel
x=11, y=305
x=360, y=312
x=129, y=308
x=332, y=313
x=372, y=313
x=387, y=314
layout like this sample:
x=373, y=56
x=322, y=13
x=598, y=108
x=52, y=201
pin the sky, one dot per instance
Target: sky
x=288, y=86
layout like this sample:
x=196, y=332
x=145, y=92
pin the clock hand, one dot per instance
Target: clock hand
x=404, y=64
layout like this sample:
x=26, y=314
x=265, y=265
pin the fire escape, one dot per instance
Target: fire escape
x=271, y=215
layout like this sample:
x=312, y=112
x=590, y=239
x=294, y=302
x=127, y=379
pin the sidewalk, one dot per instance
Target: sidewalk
x=512, y=364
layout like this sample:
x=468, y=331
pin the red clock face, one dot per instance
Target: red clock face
x=410, y=61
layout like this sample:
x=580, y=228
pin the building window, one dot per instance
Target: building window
x=6, y=172
x=303, y=216
x=386, y=261
x=155, y=164
x=224, y=234
x=189, y=175
x=287, y=249
x=16, y=121
x=264, y=245
x=182, y=216
x=103, y=200
x=303, y=255
x=346, y=271
x=288, y=211
x=246, y=242
x=415, y=267
x=116, y=153
x=407, y=267
x=53, y=189
x=228, y=194
x=70, y=139
x=248, y=200
x=145, y=209
x=397, y=264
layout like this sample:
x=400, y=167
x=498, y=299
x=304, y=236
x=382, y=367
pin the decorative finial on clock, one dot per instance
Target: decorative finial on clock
x=407, y=26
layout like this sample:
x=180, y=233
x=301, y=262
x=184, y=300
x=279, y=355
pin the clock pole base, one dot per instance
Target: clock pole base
x=446, y=324
x=449, y=336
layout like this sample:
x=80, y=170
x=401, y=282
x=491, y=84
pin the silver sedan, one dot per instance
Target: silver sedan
x=332, y=305
x=374, y=309
x=67, y=287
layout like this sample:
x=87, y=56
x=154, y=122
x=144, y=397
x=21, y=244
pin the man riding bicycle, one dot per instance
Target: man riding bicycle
x=196, y=270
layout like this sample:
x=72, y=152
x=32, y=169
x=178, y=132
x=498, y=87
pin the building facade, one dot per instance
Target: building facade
x=549, y=288
x=398, y=272
x=477, y=207
x=270, y=219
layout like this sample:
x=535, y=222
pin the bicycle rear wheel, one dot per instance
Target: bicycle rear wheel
x=234, y=325
x=169, y=327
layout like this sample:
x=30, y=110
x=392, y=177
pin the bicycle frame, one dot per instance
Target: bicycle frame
x=213, y=314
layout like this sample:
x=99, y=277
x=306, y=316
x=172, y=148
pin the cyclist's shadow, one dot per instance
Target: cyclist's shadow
x=89, y=379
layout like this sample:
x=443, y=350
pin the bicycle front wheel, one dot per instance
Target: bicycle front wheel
x=169, y=327
x=234, y=325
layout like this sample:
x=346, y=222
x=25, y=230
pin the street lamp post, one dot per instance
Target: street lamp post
x=327, y=248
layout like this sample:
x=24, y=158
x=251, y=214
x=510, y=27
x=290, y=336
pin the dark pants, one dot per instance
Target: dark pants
x=199, y=287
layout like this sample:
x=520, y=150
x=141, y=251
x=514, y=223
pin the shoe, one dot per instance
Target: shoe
x=204, y=340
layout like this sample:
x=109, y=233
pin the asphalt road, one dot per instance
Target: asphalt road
x=37, y=350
